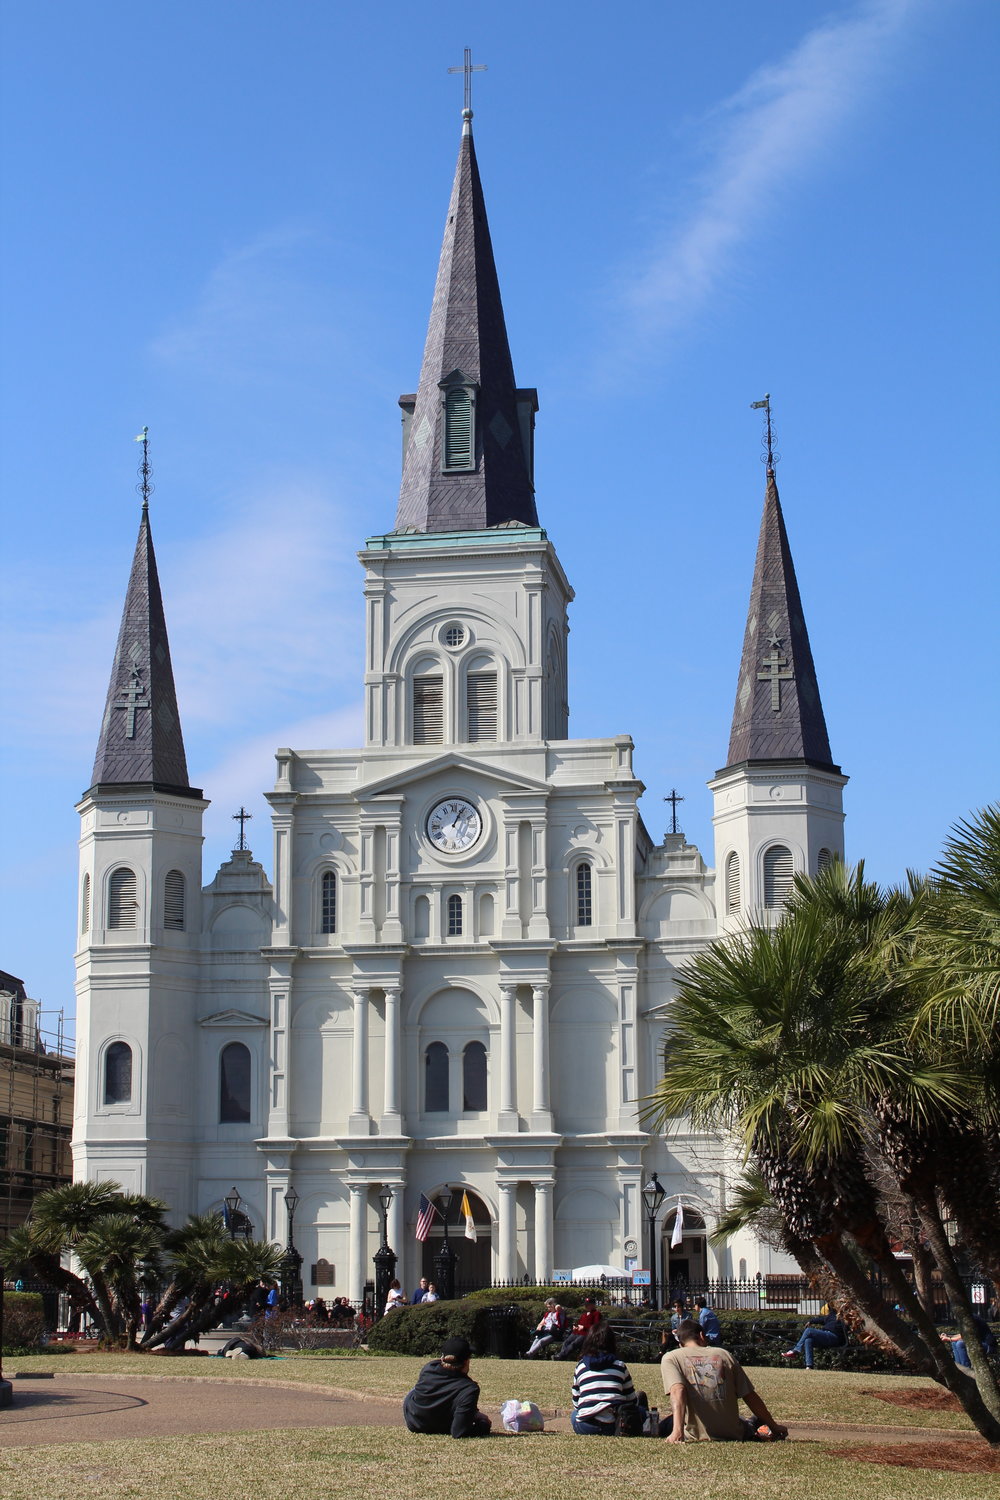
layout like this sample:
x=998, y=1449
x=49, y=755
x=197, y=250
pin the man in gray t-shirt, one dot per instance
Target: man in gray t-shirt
x=705, y=1386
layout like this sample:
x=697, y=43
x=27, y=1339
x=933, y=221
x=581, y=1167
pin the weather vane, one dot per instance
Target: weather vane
x=767, y=442
x=468, y=68
x=144, y=487
x=242, y=818
x=673, y=799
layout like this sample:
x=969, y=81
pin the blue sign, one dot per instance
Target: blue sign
x=641, y=1278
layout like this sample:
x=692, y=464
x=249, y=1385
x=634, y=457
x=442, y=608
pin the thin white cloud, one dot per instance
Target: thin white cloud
x=762, y=139
x=264, y=616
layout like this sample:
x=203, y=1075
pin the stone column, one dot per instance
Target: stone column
x=392, y=1120
x=507, y=1268
x=358, y=1241
x=508, y=1043
x=397, y=1227
x=360, y=1121
x=543, y=1231
x=541, y=1111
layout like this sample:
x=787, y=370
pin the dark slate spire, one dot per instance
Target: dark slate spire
x=467, y=347
x=778, y=713
x=141, y=742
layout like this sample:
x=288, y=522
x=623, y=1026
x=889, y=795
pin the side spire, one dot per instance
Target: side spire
x=778, y=713
x=467, y=459
x=141, y=742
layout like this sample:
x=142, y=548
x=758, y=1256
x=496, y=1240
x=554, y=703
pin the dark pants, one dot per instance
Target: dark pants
x=570, y=1344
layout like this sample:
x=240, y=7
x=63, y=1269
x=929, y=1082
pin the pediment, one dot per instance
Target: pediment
x=232, y=1018
x=450, y=762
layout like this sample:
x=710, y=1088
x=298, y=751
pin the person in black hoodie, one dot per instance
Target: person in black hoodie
x=445, y=1399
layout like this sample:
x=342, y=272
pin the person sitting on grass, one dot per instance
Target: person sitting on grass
x=830, y=1334
x=602, y=1386
x=705, y=1387
x=573, y=1342
x=711, y=1327
x=986, y=1337
x=445, y=1399
x=551, y=1327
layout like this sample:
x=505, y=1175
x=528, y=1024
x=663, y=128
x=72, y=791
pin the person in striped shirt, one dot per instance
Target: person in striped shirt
x=601, y=1384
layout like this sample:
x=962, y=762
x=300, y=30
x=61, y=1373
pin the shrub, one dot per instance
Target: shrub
x=421, y=1330
x=23, y=1321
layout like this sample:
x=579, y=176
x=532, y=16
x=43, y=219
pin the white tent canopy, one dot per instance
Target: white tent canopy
x=594, y=1273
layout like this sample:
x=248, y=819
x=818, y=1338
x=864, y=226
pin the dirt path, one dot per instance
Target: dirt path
x=89, y=1408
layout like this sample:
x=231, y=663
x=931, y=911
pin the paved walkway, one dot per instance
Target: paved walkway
x=92, y=1408
x=96, y=1409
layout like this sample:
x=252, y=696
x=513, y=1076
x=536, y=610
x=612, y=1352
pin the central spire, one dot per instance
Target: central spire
x=467, y=460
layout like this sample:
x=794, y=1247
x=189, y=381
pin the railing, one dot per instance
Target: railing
x=765, y=1293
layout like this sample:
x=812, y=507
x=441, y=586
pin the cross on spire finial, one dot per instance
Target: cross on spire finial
x=767, y=443
x=673, y=799
x=242, y=818
x=144, y=487
x=468, y=68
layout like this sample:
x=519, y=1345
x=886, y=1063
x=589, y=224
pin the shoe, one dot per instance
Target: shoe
x=790, y=1354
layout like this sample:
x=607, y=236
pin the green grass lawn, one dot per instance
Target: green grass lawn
x=376, y=1463
x=358, y=1463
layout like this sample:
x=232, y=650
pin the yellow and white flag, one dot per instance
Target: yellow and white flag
x=470, y=1227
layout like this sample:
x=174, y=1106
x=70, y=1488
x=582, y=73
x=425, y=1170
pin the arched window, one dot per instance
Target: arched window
x=454, y=916
x=778, y=872
x=85, y=905
x=118, y=1073
x=123, y=904
x=421, y=919
x=234, y=1085
x=436, y=1079
x=328, y=902
x=584, y=895
x=474, y=1078
x=428, y=710
x=823, y=861
x=481, y=702
x=173, y=901
x=733, y=883
x=458, y=448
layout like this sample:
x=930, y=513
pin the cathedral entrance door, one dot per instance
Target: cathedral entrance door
x=473, y=1258
x=686, y=1264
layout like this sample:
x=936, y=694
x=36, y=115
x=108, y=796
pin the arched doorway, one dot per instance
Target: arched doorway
x=473, y=1258
x=685, y=1264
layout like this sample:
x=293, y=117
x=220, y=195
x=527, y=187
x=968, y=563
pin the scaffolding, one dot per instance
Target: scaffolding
x=36, y=1102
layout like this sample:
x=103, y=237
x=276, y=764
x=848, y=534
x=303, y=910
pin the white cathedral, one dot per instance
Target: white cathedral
x=459, y=971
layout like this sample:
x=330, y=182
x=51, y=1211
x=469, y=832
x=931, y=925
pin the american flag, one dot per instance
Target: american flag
x=425, y=1218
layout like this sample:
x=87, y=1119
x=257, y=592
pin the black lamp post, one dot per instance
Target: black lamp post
x=232, y=1201
x=652, y=1196
x=385, y=1258
x=291, y=1261
x=444, y=1261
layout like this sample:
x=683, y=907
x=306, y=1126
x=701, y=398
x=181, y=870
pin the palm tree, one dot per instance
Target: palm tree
x=799, y=1042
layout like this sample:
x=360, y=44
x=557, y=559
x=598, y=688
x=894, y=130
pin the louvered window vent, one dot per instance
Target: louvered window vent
x=733, y=884
x=123, y=905
x=778, y=873
x=173, y=901
x=584, y=896
x=824, y=861
x=458, y=434
x=328, y=902
x=482, y=703
x=85, y=905
x=428, y=710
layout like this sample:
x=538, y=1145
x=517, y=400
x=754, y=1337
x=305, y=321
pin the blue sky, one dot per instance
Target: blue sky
x=223, y=221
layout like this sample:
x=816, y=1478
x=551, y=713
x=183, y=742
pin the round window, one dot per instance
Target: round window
x=454, y=635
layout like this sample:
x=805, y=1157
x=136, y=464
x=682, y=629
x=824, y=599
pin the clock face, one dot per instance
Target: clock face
x=454, y=826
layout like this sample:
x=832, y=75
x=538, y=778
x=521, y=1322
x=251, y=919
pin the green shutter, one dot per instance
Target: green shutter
x=458, y=435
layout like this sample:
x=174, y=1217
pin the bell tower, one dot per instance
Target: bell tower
x=779, y=799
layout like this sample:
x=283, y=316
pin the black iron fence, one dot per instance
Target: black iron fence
x=763, y=1293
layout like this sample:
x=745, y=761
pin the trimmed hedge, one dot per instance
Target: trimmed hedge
x=23, y=1322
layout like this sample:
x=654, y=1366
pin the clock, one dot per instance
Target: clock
x=454, y=826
